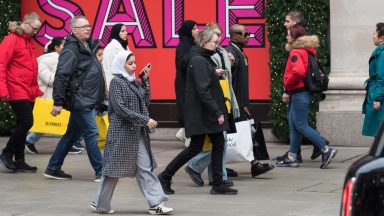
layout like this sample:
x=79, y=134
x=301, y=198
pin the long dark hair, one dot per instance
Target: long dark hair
x=56, y=41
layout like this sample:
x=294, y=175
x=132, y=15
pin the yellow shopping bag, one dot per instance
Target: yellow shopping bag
x=44, y=122
x=207, y=144
x=225, y=87
x=102, y=123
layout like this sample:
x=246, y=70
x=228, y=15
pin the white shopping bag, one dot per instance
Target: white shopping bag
x=239, y=144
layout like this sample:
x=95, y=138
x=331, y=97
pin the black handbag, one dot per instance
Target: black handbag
x=259, y=146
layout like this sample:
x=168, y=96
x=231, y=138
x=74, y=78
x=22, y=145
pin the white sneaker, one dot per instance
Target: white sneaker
x=180, y=135
x=187, y=141
x=93, y=207
x=160, y=209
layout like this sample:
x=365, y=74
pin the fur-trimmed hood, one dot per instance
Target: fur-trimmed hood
x=307, y=41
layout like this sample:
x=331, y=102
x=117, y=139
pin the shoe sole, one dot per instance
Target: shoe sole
x=75, y=153
x=227, y=193
x=55, y=177
x=264, y=171
x=26, y=171
x=189, y=171
x=153, y=212
x=293, y=165
x=79, y=148
x=29, y=150
x=333, y=154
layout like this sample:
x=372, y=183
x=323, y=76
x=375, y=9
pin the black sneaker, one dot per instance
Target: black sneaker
x=259, y=168
x=57, y=174
x=7, y=163
x=286, y=162
x=195, y=176
x=327, y=157
x=231, y=173
x=73, y=150
x=21, y=166
x=317, y=152
x=223, y=189
x=299, y=158
x=77, y=145
x=165, y=184
x=31, y=148
x=229, y=183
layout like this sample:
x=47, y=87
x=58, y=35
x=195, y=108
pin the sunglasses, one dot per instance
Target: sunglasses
x=245, y=34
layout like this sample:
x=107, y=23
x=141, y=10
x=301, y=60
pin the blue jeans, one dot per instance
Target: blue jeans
x=298, y=122
x=33, y=137
x=203, y=160
x=81, y=122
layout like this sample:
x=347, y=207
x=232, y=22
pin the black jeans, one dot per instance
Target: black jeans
x=195, y=148
x=24, y=121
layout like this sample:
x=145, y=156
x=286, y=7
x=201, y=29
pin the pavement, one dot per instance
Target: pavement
x=304, y=191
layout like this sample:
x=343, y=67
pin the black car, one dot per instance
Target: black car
x=363, y=192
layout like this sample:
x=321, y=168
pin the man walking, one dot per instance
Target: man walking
x=79, y=87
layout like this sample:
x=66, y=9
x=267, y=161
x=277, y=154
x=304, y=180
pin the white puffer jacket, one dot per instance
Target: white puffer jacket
x=47, y=65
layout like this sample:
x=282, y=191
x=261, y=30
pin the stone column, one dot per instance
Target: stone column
x=352, y=25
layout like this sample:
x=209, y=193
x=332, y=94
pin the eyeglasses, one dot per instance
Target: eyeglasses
x=83, y=27
x=245, y=34
x=35, y=29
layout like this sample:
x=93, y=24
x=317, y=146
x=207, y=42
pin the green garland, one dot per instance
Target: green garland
x=317, y=13
x=9, y=10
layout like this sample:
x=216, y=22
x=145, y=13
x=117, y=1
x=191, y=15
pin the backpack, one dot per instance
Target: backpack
x=316, y=80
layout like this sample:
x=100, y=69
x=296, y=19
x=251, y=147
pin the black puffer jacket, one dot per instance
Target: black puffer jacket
x=72, y=91
x=204, y=97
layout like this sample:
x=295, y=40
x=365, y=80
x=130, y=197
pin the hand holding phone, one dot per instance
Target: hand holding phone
x=144, y=73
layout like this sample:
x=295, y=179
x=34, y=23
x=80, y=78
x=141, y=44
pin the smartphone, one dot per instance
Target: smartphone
x=142, y=72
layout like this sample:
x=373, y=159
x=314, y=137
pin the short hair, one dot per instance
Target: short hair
x=213, y=26
x=204, y=36
x=75, y=19
x=297, y=31
x=296, y=15
x=380, y=29
x=31, y=17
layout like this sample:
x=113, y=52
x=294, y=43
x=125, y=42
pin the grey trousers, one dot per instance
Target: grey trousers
x=148, y=183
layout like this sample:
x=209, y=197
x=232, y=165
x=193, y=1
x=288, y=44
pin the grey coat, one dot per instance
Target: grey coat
x=128, y=116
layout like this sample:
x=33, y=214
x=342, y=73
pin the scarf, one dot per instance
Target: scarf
x=115, y=35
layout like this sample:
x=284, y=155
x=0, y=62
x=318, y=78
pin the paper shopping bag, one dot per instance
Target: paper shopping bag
x=102, y=123
x=207, y=144
x=225, y=88
x=239, y=144
x=44, y=122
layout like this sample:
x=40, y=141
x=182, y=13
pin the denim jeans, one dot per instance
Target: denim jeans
x=81, y=122
x=33, y=137
x=298, y=122
x=193, y=149
x=203, y=160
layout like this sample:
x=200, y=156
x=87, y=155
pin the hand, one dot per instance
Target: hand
x=221, y=120
x=376, y=105
x=145, y=72
x=231, y=57
x=56, y=110
x=285, y=98
x=220, y=71
x=246, y=110
x=152, y=123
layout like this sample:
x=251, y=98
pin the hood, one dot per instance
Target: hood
x=308, y=42
x=117, y=66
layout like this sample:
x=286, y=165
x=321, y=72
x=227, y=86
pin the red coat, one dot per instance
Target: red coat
x=297, y=64
x=18, y=68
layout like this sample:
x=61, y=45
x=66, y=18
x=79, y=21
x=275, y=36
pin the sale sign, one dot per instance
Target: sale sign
x=152, y=27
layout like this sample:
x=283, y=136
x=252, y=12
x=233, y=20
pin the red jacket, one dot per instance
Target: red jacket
x=18, y=68
x=297, y=64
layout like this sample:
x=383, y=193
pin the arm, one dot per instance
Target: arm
x=378, y=94
x=116, y=99
x=6, y=55
x=298, y=69
x=46, y=75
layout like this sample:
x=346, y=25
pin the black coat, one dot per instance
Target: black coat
x=182, y=49
x=72, y=91
x=204, y=97
x=239, y=75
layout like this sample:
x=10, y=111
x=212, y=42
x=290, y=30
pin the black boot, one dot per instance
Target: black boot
x=21, y=166
x=259, y=168
x=223, y=189
x=165, y=184
x=7, y=162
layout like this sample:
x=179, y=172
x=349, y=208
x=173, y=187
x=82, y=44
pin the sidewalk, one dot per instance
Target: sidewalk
x=304, y=191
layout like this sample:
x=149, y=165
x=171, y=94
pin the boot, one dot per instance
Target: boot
x=21, y=166
x=165, y=184
x=223, y=189
x=7, y=162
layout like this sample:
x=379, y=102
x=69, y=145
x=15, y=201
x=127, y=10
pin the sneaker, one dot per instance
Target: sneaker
x=317, y=152
x=195, y=176
x=229, y=183
x=77, y=145
x=259, y=168
x=231, y=173
x=180, y=135
x=286, y=162
x=97, y=178
x=73, y=150
x=299, y=158
x=93, y=207
x=57, y=174
x=30, y=148
x=223, y=189
x=160, y=209
x=327, y=157
x=165, y=184
x=7, y=163
x=21, y=166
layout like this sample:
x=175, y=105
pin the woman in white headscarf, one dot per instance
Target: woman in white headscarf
x=127, y=148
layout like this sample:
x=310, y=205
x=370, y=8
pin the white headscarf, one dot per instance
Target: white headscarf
x=118, y=63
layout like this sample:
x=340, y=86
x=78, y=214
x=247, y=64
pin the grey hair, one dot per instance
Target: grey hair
x=31, y=17
x=204, y=36
x=296, y=15
x=75, y=19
